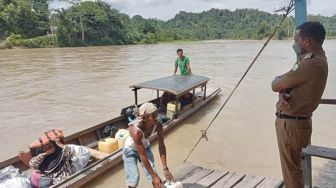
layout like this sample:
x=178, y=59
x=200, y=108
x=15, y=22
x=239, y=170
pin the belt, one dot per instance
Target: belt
x=284, y=116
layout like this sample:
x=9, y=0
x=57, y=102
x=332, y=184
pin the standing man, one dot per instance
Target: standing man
x=300, y=91
x=137, y=148
x=183, y=63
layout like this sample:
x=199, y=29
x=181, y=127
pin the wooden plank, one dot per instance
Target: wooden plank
x=318, y=151
x=271, y=183
x=195, y=177
x=250, y=181
x=185, y=172
x=116, y=120
x=229, y=180
x=88, y=138
x=80, y=141
x=15, y=161
x=210, y=179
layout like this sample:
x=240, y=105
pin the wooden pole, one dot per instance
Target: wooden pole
x=136, y=95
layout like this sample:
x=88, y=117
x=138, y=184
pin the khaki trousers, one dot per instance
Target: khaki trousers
x=292, y=136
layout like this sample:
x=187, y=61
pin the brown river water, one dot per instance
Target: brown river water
x=76, y=88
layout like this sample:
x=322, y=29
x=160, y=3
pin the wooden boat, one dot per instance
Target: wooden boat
x=176, y=85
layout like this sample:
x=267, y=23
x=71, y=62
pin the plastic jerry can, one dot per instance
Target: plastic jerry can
x=121, y=136
x=108, y=145
x=171, y=106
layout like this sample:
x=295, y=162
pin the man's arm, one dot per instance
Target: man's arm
x=175, y=69
x=37, y=160
x=278, y=85
x=163, y=153
x=189, y=69
x=299, y=74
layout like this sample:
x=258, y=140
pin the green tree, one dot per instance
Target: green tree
x=90, y=23
x=28, y=18
x=97, y=23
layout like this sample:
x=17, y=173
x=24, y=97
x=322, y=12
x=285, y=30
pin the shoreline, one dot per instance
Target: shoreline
x=158, y=43
x=3, y=46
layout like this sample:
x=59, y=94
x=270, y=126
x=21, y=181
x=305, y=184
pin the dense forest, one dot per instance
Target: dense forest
x=32, y=23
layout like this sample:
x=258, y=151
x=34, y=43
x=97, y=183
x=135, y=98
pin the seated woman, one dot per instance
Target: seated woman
x=62, y=161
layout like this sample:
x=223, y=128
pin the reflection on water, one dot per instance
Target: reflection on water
x=326, y=175
x=75, y=88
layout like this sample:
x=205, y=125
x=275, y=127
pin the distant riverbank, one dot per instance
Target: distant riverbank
x=49, y=41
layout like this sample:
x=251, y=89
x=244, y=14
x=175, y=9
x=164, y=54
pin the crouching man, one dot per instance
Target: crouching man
x=137, y=148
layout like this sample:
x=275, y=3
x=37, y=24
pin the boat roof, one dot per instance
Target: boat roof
x=176, y=85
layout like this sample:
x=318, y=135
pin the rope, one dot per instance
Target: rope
x=289, y=9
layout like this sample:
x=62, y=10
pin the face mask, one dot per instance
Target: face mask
x=296, y=49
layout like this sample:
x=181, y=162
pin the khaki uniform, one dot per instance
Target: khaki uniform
x=307, y=80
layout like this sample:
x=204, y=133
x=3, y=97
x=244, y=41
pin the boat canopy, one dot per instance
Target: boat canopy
x=176, y=85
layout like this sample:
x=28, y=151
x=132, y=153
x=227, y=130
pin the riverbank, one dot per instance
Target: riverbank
x=16, y=41
x=50, y=41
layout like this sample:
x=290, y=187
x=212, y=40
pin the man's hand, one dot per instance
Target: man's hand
x=276, y=79
x=284, y=98
x=157, y=183
x=168, y=175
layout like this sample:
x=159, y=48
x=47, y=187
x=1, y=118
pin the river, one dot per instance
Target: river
x=76, y=88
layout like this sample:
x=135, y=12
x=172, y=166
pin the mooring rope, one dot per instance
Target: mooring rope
x=288, y=10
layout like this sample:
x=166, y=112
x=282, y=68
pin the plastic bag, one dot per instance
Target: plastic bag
x=17, y=182
x=168, y=184
x=81, y=157
x=8, y=173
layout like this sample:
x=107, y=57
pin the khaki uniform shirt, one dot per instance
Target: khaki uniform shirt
x=306, y=80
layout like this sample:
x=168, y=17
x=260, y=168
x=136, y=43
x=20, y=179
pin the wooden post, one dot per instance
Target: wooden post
x=136, y=95
x=307, y=170
x=176, y=106
x=204, y=97
x=158, y=96
x=193, y=98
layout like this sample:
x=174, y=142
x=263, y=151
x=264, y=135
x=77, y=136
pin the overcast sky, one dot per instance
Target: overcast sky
x=166, y=9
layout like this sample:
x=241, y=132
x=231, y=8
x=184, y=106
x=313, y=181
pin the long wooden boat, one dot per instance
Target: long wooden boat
x=176, y=85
